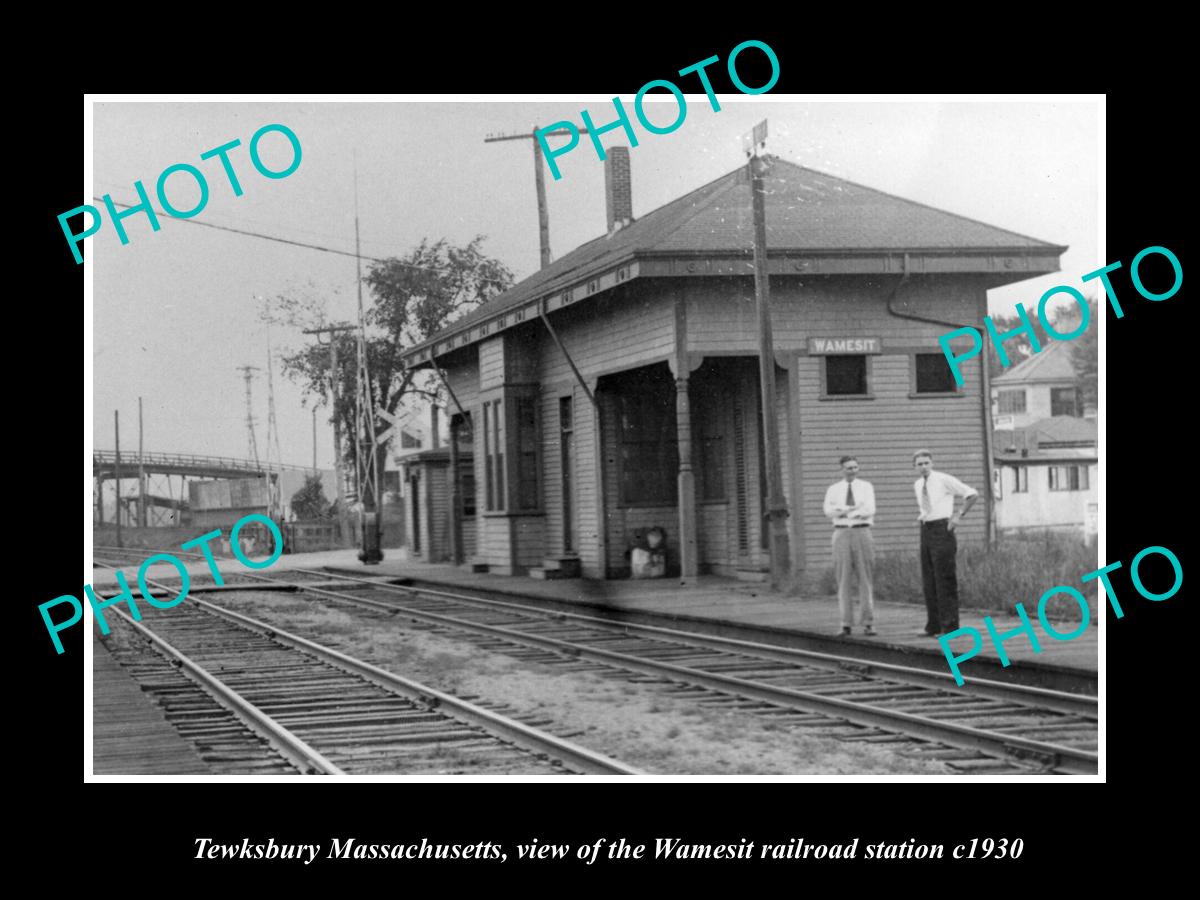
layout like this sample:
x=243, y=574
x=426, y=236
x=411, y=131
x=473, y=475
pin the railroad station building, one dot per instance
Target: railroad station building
x=617, y=389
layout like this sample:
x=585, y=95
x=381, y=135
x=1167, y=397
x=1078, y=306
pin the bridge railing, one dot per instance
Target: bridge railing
x=183, y=460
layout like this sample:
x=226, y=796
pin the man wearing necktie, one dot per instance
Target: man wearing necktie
x=939, y=545
x=851, y=504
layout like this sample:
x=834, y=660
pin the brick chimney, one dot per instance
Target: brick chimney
x=618, y=189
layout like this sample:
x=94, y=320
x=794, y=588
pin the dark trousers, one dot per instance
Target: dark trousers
x=938, y=548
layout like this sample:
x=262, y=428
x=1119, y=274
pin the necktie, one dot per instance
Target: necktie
x=849, y=494
x=926, y=505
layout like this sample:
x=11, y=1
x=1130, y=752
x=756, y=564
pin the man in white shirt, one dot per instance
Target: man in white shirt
x=935, y=499
x=851, y=504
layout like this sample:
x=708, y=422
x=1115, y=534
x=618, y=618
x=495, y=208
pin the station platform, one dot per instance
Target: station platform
x=748, y=611
x=130, y=734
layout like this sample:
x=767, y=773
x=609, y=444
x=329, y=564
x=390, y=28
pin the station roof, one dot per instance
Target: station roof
x=816, y=224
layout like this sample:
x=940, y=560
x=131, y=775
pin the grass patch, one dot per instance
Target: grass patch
x=1017, y=570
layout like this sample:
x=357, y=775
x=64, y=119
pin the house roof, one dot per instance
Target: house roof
x=807, y=212
x=1051, y=363
x=1058, y=437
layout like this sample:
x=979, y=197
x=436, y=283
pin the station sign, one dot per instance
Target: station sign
x=827, y=346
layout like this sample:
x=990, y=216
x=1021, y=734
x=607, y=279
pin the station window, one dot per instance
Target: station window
x=528, y=496
x=1021, y=480
x=493, y=456
x=845, y=376
x=1012, y=401
x=466, y=484
x=1068, y=478
x=1063, y=402
x=711, y=445
x=933, y=375
x=649, y=452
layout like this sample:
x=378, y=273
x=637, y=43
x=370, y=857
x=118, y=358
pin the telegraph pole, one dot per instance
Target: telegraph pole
x=539, y=180
x=777, y=510
x=117, y=479
x=141, y=471
x=332, y=331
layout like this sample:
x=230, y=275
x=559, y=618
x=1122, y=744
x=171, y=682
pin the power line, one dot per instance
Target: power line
x=271, y=237
x=265, y=237
x=293, y=228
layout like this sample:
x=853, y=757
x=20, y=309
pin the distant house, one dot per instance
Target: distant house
x=1037, y=388
x=1045, y=474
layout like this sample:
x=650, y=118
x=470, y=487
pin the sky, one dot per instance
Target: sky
x=174, y=312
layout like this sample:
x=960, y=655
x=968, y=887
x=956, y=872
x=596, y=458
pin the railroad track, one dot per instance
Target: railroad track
x=255, y=698
x=985, y=726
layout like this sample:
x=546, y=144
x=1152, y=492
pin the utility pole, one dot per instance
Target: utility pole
x=141, y=471
x=117, y=478
x=314, y=439
x=370, y=479
x=540, y=181
x=253, y=444
x=332, y=331
x=274, y=453
x=777, y=510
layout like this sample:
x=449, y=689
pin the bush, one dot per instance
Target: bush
x=1018, y=570
x=309, y=502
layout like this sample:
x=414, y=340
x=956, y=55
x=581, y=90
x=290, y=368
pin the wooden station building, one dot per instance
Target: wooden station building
x=617, y=389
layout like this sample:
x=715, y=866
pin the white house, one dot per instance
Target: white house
x=1037, y=388
x=1045, y=476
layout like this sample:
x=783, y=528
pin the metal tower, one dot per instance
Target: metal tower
x=253, y=444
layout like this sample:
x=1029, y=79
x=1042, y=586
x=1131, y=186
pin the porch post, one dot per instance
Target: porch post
x=688, y=564
x=455, y=486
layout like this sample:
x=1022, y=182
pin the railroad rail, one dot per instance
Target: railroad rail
x=1020, y=726
x=325, y=712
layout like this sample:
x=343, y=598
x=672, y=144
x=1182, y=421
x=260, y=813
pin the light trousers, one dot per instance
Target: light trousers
x=854, y=554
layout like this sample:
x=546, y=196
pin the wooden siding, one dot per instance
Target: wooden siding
x=491, y=363
x=883, y=433
x=634, y=327
x=495, y=543
x=722, y=320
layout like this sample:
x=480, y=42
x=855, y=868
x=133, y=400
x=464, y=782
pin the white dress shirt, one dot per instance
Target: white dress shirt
x=943, y=489
x=863, y=511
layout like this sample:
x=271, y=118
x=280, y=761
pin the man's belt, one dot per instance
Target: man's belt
x=863, y=525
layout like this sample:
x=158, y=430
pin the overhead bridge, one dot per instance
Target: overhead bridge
x=104, y=465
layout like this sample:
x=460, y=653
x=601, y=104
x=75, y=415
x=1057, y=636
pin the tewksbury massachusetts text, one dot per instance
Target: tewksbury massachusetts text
x=664, y=848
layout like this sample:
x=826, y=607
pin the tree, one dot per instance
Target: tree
x=1064, y=319
x=412, y=297
x=310, y=501
x=1085, y=360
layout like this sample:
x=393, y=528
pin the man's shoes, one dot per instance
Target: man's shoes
x=869, y=631
x=845, y=632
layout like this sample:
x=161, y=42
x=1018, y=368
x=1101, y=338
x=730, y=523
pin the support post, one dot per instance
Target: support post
x=777, y=510
x=989, y=504
x=688, y=564
x=455, y=485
